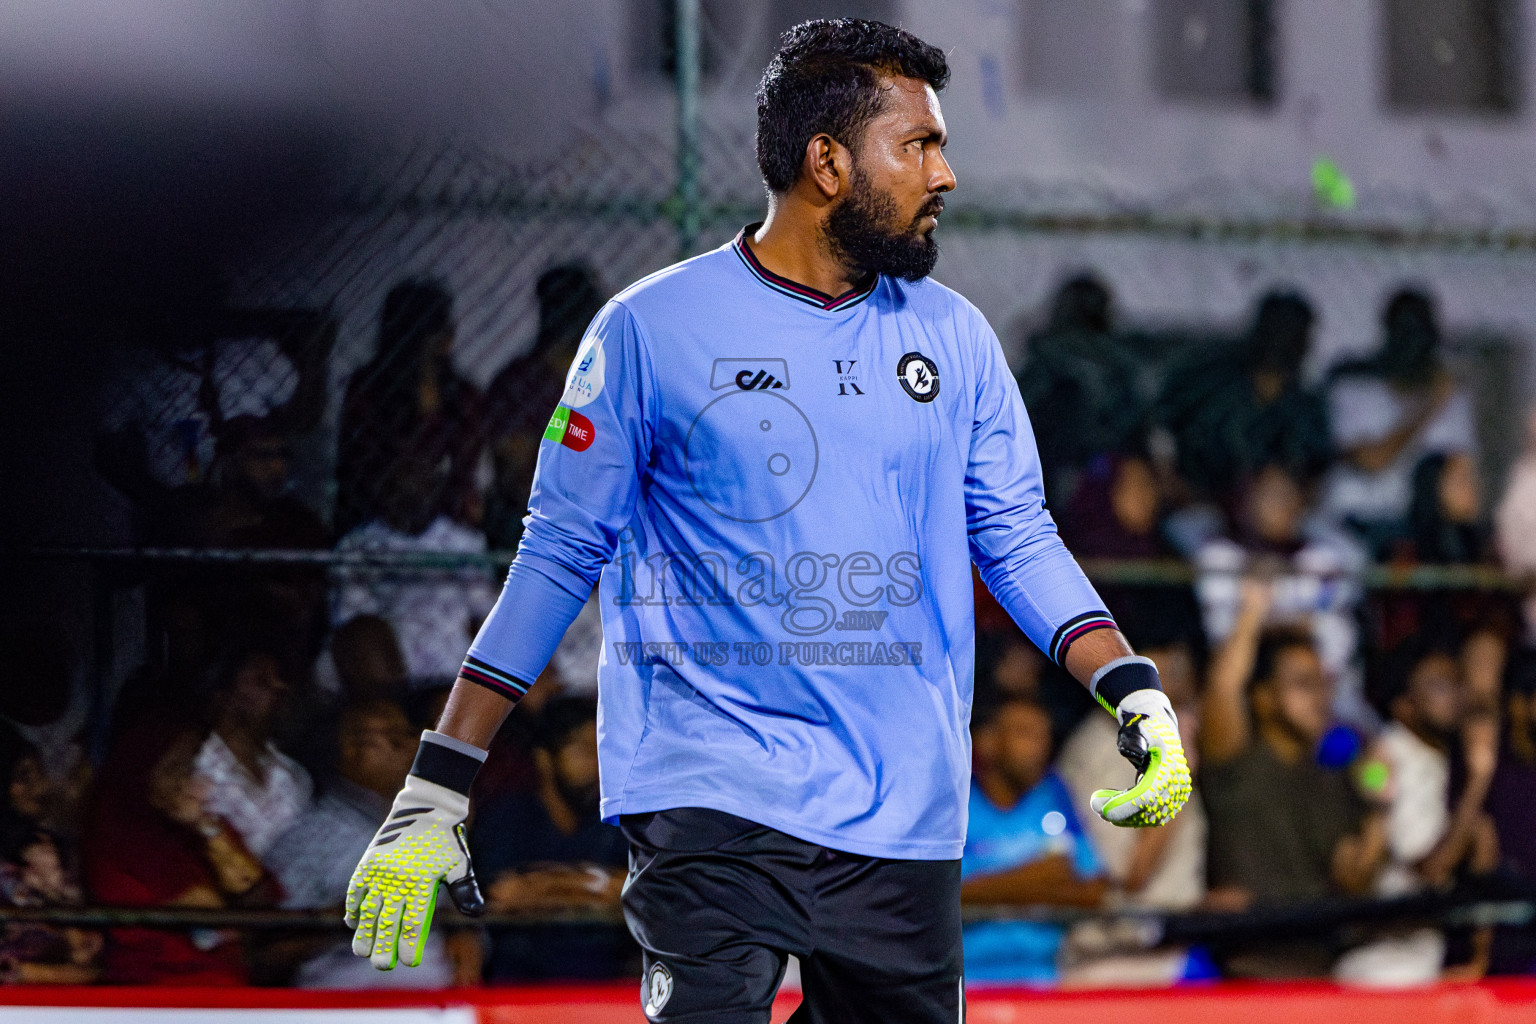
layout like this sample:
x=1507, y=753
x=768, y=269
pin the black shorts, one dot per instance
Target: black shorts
x=718, y=903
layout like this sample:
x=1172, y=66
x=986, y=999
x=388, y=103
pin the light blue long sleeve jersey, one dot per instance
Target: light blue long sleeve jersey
x=781, y=493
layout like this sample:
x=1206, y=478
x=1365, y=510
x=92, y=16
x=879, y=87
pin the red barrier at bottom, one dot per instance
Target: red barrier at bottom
x=1494, y=1002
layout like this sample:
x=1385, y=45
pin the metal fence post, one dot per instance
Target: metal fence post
x=686, y=199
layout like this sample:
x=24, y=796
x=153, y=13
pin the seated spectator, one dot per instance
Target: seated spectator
x=1445, y=517
x=1428, y=839
x=1007, y=665
x=1234, y=411
x=1117, y=512
x=525, y=392
x=409, y=402
x=549, y=850
x=248, y=782
x=1313, y=572
x=1024, y=845
x=1445, y=526
x=1283, y=829
x=1515, y=525
x=434, y=613
x=1388, y=412
x=1081, y=384
x=315, y=857
x=244, y=500
x=46, y=703
x=151, y=841
x=364, y=662
x=1509, y=805
x=175, y=391
x=36, y=870
x=1514, y=779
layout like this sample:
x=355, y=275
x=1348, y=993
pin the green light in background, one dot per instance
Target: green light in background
x=1331, y=185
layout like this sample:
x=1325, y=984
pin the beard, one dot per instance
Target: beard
x=863, y=235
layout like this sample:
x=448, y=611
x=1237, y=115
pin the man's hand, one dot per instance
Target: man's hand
x=394, y=889
x=1149, y=739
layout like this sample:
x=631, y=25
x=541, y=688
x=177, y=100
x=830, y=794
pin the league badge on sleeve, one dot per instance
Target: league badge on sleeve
x=919, y=376
x=585, y=382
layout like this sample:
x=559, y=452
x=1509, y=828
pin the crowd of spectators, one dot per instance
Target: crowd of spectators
x=1346, y=743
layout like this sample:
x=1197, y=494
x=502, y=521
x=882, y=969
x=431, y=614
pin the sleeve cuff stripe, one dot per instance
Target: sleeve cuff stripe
x=477, y=671
x=1075, y=628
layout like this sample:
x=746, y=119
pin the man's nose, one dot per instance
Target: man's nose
x=943, y=179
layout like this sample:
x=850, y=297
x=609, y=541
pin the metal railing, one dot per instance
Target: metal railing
x=1123, y=572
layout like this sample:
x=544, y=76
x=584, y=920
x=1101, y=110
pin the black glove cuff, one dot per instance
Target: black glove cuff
x=448, y=762
x=1122, y=677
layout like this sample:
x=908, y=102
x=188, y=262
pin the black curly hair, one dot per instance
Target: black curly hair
x=825, y=77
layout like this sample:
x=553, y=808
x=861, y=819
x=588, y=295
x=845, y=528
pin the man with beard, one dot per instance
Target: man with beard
x=548, y=850
x=782, y=458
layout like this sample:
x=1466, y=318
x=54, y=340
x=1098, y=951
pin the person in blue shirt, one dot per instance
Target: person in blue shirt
x=778, y=461
x=1024, y=845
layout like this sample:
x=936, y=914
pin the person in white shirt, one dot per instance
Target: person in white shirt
x=1314, y=575
x=1388, y=412
x=434, y=612
x=249, y=783
x=1428, y=838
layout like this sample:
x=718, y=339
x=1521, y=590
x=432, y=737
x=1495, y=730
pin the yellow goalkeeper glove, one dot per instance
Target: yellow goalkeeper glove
x=394, y=889
x=1149, y=738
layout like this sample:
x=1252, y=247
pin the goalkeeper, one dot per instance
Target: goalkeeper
x=778, y=462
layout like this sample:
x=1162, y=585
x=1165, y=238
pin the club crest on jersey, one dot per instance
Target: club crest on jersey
x=585, y=381
x=658, y=989
x=919, y=376
x=750, y=374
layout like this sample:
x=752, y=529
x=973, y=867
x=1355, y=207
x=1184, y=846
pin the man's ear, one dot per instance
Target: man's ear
x=827, y=166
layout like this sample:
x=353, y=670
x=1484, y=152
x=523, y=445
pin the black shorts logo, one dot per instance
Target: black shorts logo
x=919, y=376
x=658, y=989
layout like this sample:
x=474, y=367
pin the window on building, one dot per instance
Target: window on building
x=1215, y=50
x=1072, y=49
x=1451, y=55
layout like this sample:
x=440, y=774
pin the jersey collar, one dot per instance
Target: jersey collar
x=795, y=290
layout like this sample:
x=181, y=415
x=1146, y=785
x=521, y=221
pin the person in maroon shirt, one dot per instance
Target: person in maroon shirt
x=149, y=842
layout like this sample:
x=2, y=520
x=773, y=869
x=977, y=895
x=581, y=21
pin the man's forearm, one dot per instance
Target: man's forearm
x=473, y=713
x=1095, y=650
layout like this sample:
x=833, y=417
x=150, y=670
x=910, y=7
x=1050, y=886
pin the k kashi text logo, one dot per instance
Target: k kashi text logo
x=919, y=376
x=750, y=374
x=847, y=377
